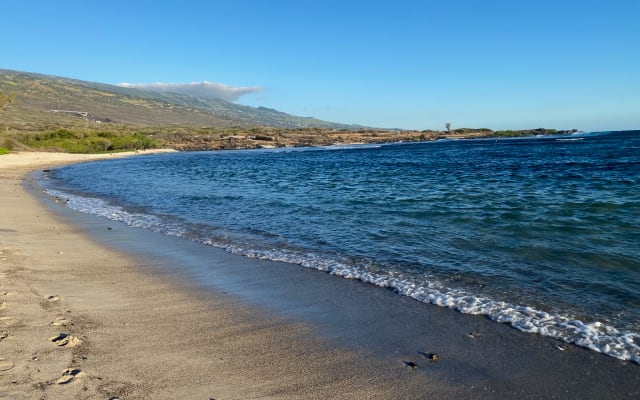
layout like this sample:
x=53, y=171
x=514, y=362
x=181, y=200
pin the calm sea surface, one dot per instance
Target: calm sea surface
x=542, y=233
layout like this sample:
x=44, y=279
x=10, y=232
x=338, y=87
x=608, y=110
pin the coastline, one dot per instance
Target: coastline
x=147, y=331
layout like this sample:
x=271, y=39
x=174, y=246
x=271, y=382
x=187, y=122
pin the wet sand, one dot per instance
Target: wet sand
x=92, y=309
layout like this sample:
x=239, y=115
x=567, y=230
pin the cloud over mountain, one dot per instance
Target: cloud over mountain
x=209, y=90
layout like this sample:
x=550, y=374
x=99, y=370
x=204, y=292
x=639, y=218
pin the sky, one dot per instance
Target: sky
x=390, y=64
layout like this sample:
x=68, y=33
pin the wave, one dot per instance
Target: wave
x=596, y=335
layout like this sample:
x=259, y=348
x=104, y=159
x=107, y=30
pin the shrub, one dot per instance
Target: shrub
x=88, y=141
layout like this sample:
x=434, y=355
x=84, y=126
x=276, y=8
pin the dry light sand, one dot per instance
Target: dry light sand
x=79, y=320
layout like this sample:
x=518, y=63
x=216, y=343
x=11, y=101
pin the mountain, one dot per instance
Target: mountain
x=44, y=99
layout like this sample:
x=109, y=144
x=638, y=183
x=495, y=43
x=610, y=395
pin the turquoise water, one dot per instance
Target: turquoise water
x=542, y=233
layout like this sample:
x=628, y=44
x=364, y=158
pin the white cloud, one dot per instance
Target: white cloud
x=209, y=90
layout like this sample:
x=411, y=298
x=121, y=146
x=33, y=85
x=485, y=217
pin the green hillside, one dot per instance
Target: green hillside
x=42, y=101
x=49, y=113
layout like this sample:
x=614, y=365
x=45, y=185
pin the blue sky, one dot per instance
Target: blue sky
x=405, y=64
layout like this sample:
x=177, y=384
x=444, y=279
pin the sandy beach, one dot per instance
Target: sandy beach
x=90, y=309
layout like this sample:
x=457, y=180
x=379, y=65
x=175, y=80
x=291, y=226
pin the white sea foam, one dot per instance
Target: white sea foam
x=101, y=208
x=596, y=336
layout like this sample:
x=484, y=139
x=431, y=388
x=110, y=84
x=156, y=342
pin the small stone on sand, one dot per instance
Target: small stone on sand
x=410, y=364
x=433, y=357
x=64, y=379
x=68, y=375
x=65, y=340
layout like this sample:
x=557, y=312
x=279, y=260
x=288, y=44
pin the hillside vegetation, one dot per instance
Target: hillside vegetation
x=44, y=99
x=42, y=112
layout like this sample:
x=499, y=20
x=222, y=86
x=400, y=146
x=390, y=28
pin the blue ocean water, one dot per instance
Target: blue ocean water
x=542, y=233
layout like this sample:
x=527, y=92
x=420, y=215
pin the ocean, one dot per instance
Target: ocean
x=542, y=233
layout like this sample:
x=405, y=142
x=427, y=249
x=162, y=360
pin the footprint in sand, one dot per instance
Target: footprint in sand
x=65, y=340
x=68, y=375
x=53, y=298
x=5, y=364
x=60, y=321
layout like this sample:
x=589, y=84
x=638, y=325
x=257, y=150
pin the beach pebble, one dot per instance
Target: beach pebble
x=68, y=375
x=433, y=357
x=410, y=364
x=64, y=379
x=65, y=340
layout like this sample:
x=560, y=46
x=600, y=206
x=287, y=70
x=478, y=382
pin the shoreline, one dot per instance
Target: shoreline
x=149, y=331
x=135, y=334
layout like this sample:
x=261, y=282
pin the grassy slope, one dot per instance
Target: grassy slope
x=37, y=94
x=126, y=119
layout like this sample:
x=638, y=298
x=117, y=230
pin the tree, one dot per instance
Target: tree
x=448, y=126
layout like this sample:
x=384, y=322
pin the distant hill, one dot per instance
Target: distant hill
x=41, y=100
